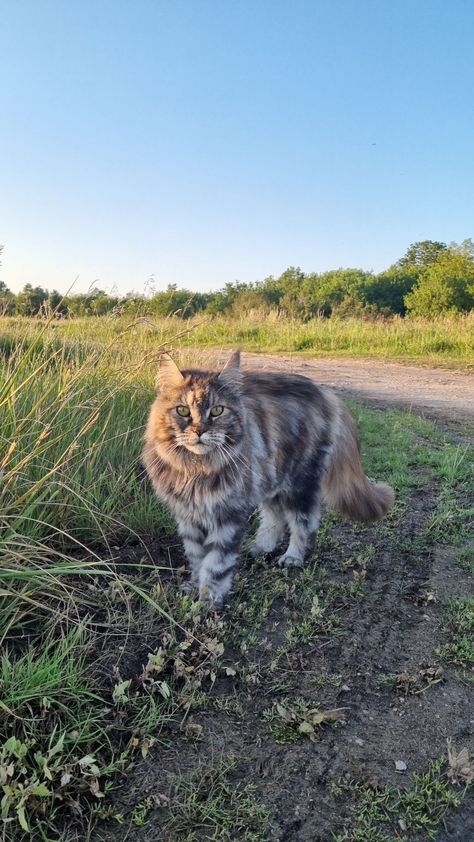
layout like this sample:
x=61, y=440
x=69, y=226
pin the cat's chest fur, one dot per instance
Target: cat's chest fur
x=198, y=498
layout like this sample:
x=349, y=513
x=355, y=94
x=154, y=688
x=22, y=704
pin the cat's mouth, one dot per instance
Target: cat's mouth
x=199, y=447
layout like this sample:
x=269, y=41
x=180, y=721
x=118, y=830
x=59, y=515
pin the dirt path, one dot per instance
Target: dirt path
x=434, y=391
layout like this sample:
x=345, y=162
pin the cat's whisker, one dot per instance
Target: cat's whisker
x=226, y=459
x=236, y=457
x=230, y=459
x=228, y=462
x=230, y=456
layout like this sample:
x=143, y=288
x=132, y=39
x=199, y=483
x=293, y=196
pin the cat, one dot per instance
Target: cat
x=220, y=443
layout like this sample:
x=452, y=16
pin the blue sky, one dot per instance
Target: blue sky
x=202, y=141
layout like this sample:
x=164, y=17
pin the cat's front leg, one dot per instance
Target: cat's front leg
x=271, y=528
x=221, y=554
x=193, y=538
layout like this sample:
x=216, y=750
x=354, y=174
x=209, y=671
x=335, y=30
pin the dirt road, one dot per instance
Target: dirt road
x=433, y=391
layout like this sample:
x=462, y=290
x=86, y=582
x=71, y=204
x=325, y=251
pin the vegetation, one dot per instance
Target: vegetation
x=431, y=279
x=445, y=341
x=460, y=631
x=387, y=814
x=212, y=806
x=105, y=661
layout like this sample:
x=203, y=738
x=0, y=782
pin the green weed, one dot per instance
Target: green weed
x=320, y=681
x=459, y=629
x=215, y=806
x=289, y=720
x=464, y=559
x=387, y=814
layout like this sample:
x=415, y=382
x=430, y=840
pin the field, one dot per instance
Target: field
x=445, y=341
x=332, y=704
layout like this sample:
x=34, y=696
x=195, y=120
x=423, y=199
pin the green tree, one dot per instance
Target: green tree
x=331, y=288
x=102, y=304
x=6, y=297
x=29, y=301
x=272, y=290
x=466, y=247
x=445, y=287
x=178, y=302
x=422, y=253
x=251, y=299
x=224, y=299
x=7, y=300
x=388, y=290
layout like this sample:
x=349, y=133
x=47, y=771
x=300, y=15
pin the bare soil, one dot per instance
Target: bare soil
x=392, y=627
x=389, y=631
x=444, y=393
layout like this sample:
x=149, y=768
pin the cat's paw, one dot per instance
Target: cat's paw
x=189, y=588
x=287, y=560
x=211, y=600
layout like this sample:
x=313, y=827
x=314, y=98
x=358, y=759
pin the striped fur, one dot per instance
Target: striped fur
x=281, y=443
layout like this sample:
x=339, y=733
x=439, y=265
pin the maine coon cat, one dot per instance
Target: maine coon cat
x=220, y=443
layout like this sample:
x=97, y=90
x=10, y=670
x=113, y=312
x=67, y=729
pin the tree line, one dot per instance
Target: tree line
x=431, y=279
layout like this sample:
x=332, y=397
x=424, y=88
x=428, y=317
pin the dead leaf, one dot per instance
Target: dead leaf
x=193, y=729
x=461, y=768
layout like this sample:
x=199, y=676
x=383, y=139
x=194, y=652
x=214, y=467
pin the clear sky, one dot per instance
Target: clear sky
x=204, y=141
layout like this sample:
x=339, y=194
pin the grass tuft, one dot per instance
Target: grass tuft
x=386, y=814
x=459, y=629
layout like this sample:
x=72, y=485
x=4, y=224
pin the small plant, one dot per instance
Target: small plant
x=309, y=605
x=288, y=721
x=464, y=559
x=460, y=766
x=213, y=806
x=320, y=681
x=413, y=683
x=49, y=717
x=451, y=522
x=141, y=811
x=387, y=813
x=455, y=463
x=230, y=704
x=459, y=628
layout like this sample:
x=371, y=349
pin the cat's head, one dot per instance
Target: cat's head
x=199, y=412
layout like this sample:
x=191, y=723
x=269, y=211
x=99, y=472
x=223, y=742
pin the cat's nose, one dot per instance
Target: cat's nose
x=199, y=430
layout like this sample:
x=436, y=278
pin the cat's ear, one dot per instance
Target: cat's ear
x=233, y=361
x=231, y=372
x=169, y=372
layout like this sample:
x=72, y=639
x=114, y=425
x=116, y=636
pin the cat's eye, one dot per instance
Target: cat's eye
x=184, y=411
x=217, y=410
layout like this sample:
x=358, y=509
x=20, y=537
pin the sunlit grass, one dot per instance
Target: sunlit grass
x=440, y=341
x=71, y=422
x=74, y=398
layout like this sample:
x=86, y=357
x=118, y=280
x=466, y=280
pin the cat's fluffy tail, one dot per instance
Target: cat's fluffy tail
x=346, y=487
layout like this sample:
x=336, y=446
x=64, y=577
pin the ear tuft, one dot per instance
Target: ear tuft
x=233, y=361
x=231, y=372
x=169, y=372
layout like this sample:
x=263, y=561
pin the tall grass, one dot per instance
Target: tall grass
x=72, y=489
x=438, y=341
x=70, y=440
x=441, y=341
